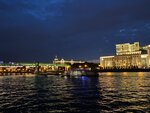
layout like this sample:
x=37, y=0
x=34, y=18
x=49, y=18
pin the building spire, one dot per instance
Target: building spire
x=55, y=59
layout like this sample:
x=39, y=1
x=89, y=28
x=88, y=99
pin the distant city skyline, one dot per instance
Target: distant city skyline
x=71, y=29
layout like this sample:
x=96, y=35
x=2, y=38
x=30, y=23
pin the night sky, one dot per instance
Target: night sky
x=37, y=30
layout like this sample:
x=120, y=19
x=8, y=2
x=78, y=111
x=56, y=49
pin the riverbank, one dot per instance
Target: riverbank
x=124, y=70
x=62, y=72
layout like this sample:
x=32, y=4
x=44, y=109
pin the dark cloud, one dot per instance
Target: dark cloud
x=38, y=30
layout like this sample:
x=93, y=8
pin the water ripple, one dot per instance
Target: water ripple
x=54, y=94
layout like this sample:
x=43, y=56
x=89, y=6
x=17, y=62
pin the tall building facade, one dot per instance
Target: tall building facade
x=127, y=48
x=127, y=56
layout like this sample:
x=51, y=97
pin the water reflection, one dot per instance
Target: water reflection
x=126, y=93
x=86, y=93
x=110, y=92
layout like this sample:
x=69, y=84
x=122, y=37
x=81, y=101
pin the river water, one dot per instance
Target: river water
x=110, y=92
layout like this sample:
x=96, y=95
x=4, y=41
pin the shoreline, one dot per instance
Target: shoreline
x=60, y=72
x=124, y=70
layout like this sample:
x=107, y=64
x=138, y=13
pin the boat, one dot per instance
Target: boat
x=80, y=72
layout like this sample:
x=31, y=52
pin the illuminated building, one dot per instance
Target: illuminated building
x=62, y=61
x=127, y=48
x=107, y=61
x=127, y=56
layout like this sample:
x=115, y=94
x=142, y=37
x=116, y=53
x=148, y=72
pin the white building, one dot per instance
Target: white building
x=128, y=56
x=127, y=48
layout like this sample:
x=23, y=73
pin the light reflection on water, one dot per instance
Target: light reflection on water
x=129, y=92
x=110, y=92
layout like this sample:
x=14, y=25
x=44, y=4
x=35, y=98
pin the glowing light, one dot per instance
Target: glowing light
x=140, y=74
x=85, y=65
x=80, y=66
x=125, y=73
x=108, y=73
x=84, y=78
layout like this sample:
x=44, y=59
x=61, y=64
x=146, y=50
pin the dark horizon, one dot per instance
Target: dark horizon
x=71, y=29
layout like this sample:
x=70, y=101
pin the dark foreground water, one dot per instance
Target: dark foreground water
x=110, y=92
